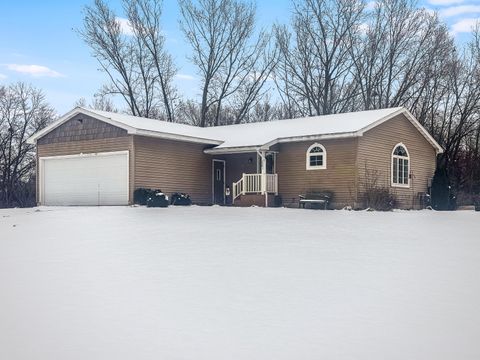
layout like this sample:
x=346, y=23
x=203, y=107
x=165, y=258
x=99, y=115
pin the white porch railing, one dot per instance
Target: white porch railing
x=253, y=184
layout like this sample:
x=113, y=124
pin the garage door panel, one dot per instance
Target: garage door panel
x=86, y=180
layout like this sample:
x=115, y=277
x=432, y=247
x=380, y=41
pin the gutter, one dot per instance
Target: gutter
x=265, y=147
x=170, y=136
x=232, y=150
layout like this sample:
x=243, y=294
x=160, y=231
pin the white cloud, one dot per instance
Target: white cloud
x=125, y=26
x=34, y=70
x=459, y=10
x=445, y=2
x=185, y=77
x=463, y=26
x=2, y=76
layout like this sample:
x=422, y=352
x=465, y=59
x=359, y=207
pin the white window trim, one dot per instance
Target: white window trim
x=324, y=154
x=393, y=184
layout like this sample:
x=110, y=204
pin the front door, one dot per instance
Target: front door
x=219, y=182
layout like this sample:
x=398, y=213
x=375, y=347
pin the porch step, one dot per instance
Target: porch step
x=248, y=200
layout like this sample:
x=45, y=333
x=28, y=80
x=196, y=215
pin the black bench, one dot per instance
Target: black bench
x=315, y=198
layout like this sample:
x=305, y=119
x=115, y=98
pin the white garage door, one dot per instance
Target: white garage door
x=91, y=179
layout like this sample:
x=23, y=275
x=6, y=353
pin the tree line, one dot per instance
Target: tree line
x=332, y=56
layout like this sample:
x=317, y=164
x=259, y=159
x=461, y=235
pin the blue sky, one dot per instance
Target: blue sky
x=38, y=43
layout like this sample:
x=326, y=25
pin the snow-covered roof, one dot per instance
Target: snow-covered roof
x=250, y=136
x=146, y=124
x=258, y=134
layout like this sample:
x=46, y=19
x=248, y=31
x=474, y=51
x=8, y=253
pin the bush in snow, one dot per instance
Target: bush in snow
x=157, y=199
x=141, y=195
x=476, y=202
x=442, y=198
x=380, y=199
x=180, y=199
x=277, y=201
x=376, y=196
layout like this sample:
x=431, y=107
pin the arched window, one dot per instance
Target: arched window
x=316, y=157
x=400, y=166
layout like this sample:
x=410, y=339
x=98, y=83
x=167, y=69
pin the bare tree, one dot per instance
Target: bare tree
x=315, y=72
x=23, y=111
x=234, y=61
x=99, y=102
x=138, y=67
x=144, y=17
x=393, y=63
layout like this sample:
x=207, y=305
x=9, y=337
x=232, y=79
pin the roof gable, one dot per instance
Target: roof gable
x=81, y=127
x=134, y=125
x=414, y=122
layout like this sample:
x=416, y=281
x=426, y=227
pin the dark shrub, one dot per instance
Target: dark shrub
x=277, y=201
x=180, y=199
x=141, y=195
x=157, y=199
x=441, y=191
x=476, y=202
x=380, y=199
x=22, y=194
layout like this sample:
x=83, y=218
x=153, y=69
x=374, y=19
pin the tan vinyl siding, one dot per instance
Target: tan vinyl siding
x=173, y=166
x=375, y=150
x=339, y=177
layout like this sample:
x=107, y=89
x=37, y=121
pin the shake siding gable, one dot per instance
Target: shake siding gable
x=81, y=127
x=173, y=166
x=375, y=153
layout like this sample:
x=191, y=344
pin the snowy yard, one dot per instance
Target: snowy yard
x=231, y=283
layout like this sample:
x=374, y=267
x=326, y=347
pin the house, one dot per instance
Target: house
x=91, y=157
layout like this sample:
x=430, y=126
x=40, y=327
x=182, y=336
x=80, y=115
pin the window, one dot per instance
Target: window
x=400, y=166
x=316, y=157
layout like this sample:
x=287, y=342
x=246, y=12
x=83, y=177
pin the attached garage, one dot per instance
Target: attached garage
x=91, y=157
x=85, y=179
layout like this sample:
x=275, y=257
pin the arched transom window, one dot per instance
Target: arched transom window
x=400, y=166
x=316, y=157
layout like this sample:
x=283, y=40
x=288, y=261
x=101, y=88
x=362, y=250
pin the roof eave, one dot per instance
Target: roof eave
x=130, y=130
x=231, y=150
x=341, y=135
x=413, y=120
x=78, y=110
x=438, y=148
x=266, y=146
x=170, y=136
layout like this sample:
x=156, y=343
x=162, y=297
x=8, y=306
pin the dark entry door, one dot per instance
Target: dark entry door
x=218, y=182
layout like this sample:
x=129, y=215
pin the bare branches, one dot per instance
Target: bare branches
x=23, y=111
x=137, y=65
x=233, y=61
x=144, y=17
x=315, y=72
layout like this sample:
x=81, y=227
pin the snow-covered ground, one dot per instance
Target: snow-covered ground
x=231, y=283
